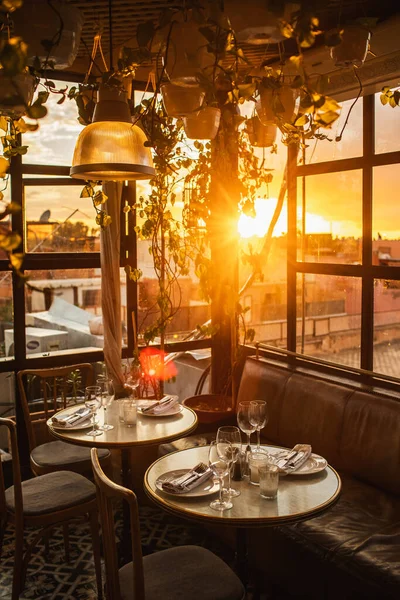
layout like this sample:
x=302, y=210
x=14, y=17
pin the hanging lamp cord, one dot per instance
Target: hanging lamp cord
x=110, y=28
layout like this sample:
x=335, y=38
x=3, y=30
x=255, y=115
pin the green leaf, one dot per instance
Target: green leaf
x=4, y=164
x=88, y=191
x=303, y=120
x=36, y=111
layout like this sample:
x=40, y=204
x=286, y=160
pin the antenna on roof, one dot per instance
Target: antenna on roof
x=45, y=217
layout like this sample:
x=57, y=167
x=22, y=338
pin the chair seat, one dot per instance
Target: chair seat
x=61, y=454
x=52, y=492
x=183, y=573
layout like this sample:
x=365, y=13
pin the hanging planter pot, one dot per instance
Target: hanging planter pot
x=16, y=94
x=186, y=54
x=275, y=103
x=262, y=136
x=181, y=101
x=353, y=49
x=202, y=125
x=52, y=31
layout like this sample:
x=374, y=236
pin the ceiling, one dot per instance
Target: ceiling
x=127, y=14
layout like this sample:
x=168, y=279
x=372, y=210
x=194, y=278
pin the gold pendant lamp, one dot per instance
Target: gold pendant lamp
x=111, y=148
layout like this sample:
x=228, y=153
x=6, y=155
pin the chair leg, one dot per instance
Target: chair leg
x=66, y=541
x=18, y=562
x=3, y=527
x=94, y=527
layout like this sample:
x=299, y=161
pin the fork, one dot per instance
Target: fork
x=193, y=474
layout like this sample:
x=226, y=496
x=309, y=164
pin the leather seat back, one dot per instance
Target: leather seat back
x=356, y=431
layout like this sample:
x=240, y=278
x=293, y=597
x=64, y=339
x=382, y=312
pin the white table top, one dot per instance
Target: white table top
x=148, y=430
x=298, y=497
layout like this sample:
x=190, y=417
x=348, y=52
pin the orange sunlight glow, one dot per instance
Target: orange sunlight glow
x=264, y=208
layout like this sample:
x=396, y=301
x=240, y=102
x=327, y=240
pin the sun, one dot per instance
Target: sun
x=258, y=225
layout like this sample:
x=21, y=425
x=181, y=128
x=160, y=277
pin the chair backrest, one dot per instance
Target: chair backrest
x=107, y=492
x=18, y=515
x=50, y=390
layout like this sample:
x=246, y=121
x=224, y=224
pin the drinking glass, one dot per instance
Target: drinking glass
x=107, y=396
x=230, y=434
x=93, y=402
x=258, y=418
x=220, y=469
x=243, y=419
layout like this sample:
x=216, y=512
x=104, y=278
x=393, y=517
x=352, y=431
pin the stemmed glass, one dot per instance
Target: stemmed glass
x=229, y=434
x=107, y=396
x=93, y=401
x=258, y=418
x=220, y=468
x=243, y=419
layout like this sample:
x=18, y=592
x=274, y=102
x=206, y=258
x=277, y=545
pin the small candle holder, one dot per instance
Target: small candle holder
x=257, y=460
x=130, y=412
x=269, y=481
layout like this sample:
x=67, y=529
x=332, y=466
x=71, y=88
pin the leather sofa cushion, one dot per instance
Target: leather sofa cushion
x=370, y=446
x=360, y=534
x=312, y=412
x=263, y=381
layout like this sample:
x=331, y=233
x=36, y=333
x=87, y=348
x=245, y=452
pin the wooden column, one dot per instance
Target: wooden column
x=224, y=253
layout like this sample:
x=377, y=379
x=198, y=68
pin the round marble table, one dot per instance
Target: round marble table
x=149, y=430
x=299, y=497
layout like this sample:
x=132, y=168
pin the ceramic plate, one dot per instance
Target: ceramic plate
x=67, y=411
x=206, y=488
x=175, y=410
x=315, y=464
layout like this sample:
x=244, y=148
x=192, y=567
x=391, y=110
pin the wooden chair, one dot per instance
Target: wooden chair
x=51, y=390
x=45, y=502
x=189, y=572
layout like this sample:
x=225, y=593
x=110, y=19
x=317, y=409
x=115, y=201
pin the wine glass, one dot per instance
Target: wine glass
x=220, y=468
x=230, y=434
x=258, y=418
x=243, y=419
x=93, y=401
x=107, y=396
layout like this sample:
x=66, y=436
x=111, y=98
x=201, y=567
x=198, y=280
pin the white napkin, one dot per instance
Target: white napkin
x=187, y=482
x=72, y=419
x=167, y=403
x=293, y=459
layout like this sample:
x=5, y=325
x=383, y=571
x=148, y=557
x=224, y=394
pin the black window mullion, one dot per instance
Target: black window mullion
x=291, y=176
x=367, y=294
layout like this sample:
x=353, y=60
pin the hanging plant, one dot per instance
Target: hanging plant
x=353, y=47
x=203, y=125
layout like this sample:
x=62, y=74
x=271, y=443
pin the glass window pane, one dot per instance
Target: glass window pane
x=387, y=327
x=58, y=220
x=333, y=218
x=385, y=216
x=63, y=311
x=6, y=316
x=265, y=299
x=329, y=326
x=351, y=144
x=54, y=142
x=387, y=126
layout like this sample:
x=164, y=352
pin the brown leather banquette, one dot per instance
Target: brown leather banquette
x=351, y=551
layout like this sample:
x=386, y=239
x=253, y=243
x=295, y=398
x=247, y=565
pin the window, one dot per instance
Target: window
x=344, y=241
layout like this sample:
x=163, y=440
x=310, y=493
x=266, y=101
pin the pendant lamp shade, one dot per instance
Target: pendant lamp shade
x=111, y=148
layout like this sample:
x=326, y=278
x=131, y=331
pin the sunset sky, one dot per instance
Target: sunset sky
x=333, y=202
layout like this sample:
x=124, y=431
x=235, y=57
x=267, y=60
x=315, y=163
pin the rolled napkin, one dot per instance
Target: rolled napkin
x=72, y=419
x=294, y=459
x=187, y=482
x=163, y=405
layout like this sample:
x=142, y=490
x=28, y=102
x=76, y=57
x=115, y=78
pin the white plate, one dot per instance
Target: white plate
x=175, y=410
x=206, y=488
x=315, y=464
x=71, y=409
